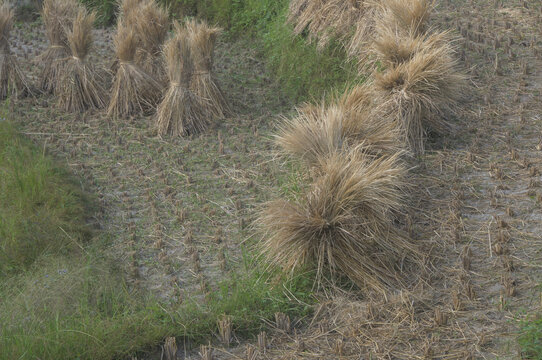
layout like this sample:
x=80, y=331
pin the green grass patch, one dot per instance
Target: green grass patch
x=41, y=210
x=78, y=309
x=530, y=339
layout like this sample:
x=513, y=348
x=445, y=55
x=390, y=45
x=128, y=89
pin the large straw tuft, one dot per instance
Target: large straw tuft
x=418, y=93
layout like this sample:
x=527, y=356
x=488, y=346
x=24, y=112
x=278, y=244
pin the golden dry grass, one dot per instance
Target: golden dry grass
x=344, y=223
x=202, y=43
x=79, y=87
x=181, y=112
x=12, y=79
x=134, y=91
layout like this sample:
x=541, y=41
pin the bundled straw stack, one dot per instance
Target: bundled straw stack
x=151, y=23
x=420, y=84
x=133, y=91
x=202, y=40
x=128, y=11
x=319, y=131
x=79, y=88
x=181, y=112
x=327, y=19
x=343, y=224
x=58, y=17
x=12, y=80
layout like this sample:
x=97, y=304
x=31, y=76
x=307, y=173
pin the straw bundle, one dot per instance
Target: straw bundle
x=391, y=48
x=326, y=19
x=404, y=18
x=79, y=87
x=409, y=17
x=12, y=79
x=127, y=11
x=343, y=224
x=151, y=25
x=202, y=41
x=320, y=131
x=58, y=17
x=417, y=93
x=133, y=91
x=181, y=111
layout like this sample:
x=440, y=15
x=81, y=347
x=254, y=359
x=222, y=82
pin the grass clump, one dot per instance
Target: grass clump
x=40, y=211
x=81, y=308
x=72, y=302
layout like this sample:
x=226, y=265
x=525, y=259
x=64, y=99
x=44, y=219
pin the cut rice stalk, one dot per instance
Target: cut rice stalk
x=151, y=24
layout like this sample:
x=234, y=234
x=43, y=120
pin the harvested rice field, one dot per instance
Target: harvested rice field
x=401, y=220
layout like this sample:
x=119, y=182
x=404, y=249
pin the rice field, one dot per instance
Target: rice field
x=408, y=204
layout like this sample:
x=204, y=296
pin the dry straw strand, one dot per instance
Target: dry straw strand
x=58, y=16
x=202, y=43
x=181, y=112
x=134, y=91
x=12, y=79
x=344, y=223
x=79, y=87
